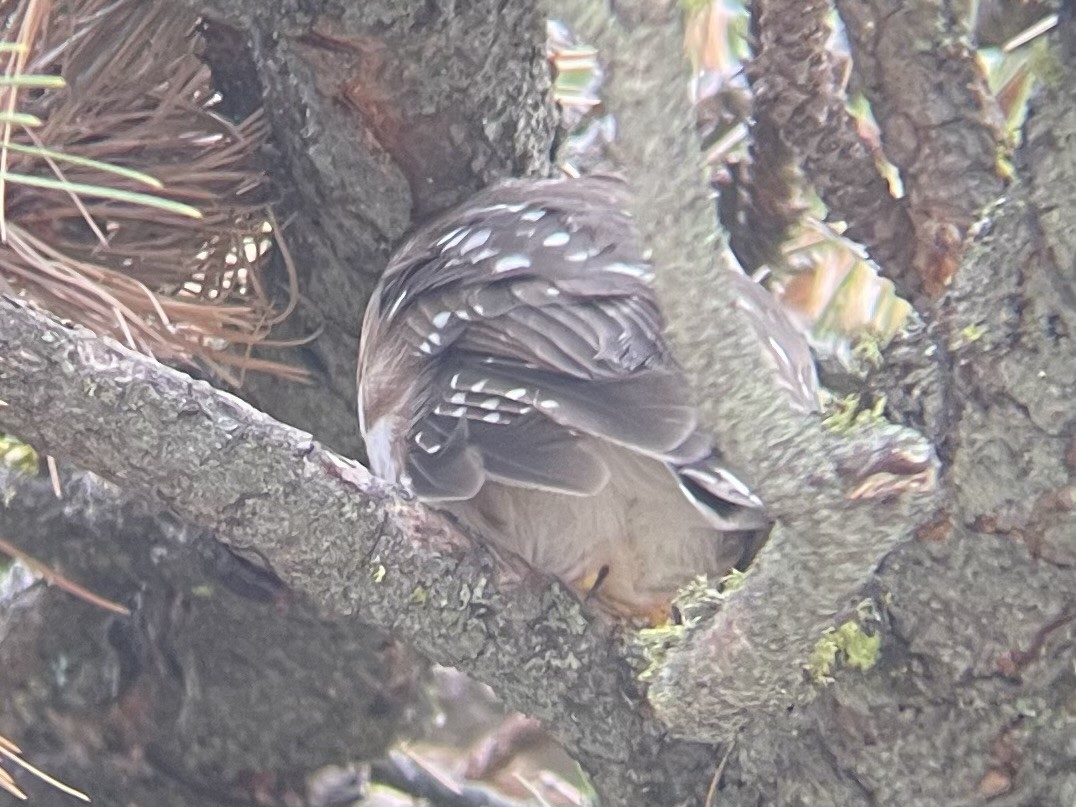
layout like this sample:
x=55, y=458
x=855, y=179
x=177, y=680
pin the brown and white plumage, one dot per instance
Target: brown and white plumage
x=513, y=372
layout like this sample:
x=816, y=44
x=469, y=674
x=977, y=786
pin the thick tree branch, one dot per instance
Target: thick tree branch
x=976, y=667
x=797, y=93
x=989, y=596
x=826, y=546
x=342, y=539
x=940, y=125
x=218, y=672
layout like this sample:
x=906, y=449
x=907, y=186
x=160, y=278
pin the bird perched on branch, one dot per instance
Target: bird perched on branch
x=513, y=372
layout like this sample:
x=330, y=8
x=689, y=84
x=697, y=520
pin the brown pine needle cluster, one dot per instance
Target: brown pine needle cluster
x=126, y=204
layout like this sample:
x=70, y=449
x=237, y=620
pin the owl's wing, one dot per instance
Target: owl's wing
x=531, y=315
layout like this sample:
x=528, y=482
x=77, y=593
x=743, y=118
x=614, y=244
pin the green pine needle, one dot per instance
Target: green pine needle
x=104, y=192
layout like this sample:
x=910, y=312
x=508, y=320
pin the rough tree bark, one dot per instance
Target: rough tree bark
x=171, y=705
x=971, y=699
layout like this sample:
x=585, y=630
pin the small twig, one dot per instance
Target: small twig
x=562, y=788
x=54, y=476
x=1029, y=34
x=64, y=584
x=530, y=788
x=712, y=792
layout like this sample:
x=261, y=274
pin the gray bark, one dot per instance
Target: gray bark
x=382, y=114
x=220, y=671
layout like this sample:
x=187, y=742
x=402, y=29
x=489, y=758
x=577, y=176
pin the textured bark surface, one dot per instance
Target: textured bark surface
x=382, y=113
x=940, y=125
x=171, y=705
x=795, y=79
x=972, y=697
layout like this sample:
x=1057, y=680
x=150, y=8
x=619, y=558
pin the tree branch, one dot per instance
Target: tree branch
x=795, y=82
x=940, y=124
x=218, y=671
x=344, y=540
x=748, y=660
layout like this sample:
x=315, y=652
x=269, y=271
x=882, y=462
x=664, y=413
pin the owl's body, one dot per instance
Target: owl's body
x=513, y=372
x=638, y=538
